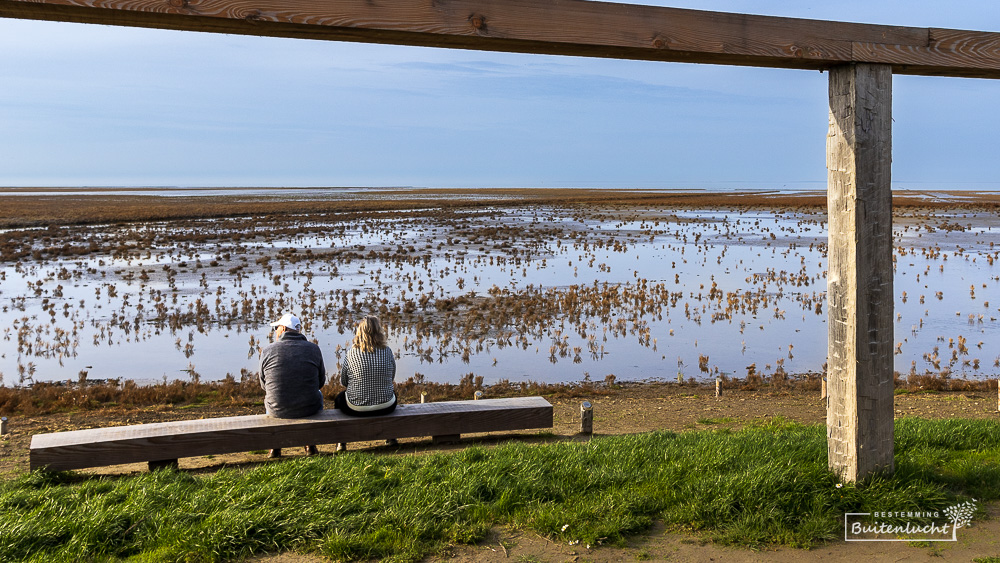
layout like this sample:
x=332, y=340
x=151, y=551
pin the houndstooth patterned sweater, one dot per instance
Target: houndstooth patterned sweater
x=368, y=377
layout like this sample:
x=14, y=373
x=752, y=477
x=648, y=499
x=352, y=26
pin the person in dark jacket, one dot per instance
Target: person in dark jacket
x=292, y=374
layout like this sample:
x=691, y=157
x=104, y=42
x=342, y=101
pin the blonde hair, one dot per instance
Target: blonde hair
x=369, y=335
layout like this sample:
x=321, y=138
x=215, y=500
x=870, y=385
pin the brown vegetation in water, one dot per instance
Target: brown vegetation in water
x=440, y=325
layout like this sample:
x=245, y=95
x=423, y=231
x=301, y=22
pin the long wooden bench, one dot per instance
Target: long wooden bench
x=164, y=442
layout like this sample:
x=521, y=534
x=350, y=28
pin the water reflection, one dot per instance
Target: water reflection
x=546, y=294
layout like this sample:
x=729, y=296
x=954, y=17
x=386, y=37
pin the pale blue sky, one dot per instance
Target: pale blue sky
x=97, y=105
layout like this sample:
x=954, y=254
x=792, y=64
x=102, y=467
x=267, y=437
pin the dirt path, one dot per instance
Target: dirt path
x=981, y=540
x=627, y=409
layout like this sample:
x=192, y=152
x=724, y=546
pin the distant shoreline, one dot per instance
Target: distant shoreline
x=32, y=207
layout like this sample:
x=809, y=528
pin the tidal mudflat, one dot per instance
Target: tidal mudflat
x=553, y=286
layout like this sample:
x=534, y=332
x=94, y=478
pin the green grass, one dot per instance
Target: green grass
x=720, y=420
x=760, y=485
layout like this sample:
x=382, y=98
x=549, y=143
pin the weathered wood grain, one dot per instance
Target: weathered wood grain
x=945, y=49
x=557, y=27
x=171, y=440
x=859, y=279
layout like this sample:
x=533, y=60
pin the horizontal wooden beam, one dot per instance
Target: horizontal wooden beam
x=555, y=27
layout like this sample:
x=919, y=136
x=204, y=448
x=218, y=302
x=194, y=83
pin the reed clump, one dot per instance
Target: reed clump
x=938, y=381
x=410, y=391
x=46, y=398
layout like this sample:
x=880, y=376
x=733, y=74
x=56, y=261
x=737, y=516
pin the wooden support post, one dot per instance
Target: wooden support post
x=586, y=418
x=718, y=386
x=3, y=425
x=859, y=284
x=442, y=438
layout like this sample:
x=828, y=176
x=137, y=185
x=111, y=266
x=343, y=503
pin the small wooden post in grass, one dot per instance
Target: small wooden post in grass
x=859, y=284
x=3, y=425
x=586, y=418
x=718, y=386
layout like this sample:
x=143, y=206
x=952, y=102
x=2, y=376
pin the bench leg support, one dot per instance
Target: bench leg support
x=446, y=439
x=162, y=464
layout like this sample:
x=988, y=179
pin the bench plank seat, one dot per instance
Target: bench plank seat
x=164, y=441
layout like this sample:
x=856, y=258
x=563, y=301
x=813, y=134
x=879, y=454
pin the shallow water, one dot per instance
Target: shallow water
x=545, y=294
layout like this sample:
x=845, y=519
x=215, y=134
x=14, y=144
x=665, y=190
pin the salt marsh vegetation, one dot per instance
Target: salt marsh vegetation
x=554, y=292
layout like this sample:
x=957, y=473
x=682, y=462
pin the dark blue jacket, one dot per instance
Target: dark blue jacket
x=292, y=374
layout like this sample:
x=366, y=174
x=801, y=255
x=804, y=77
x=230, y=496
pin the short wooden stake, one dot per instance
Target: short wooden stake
x=680, y=377
x=718, y=386
x=3, y=425
x=586, y=418
x=478, y=395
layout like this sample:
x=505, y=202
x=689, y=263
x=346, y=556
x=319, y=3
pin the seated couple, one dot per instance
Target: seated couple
x=292, y=373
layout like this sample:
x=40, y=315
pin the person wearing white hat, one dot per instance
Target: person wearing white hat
x=292, y=373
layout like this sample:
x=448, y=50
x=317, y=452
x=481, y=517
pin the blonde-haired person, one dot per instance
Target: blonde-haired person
x=368, y=372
